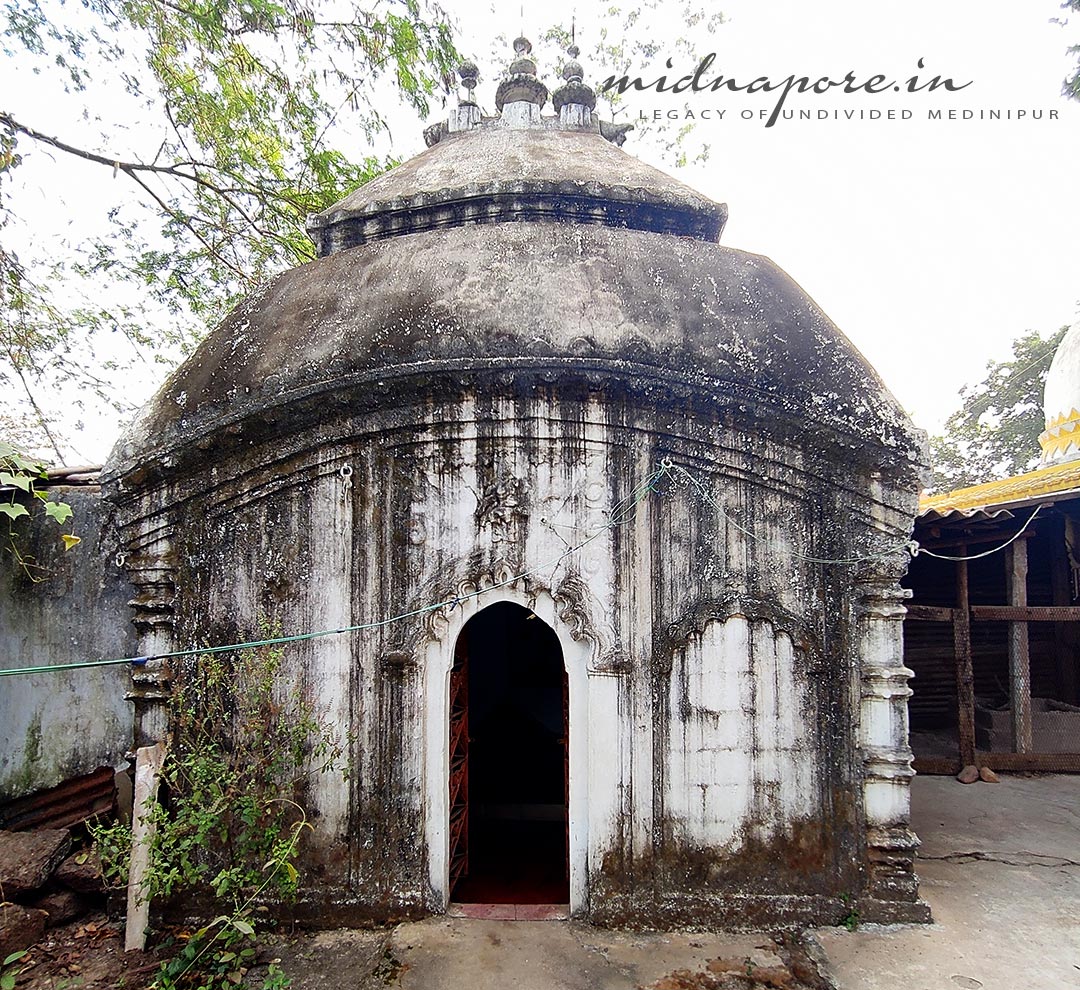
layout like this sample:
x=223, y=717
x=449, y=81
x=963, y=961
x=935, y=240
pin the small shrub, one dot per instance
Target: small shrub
x=244, y=743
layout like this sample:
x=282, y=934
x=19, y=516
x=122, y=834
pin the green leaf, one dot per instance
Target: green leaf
x=14, y=957
x=60, y=511
x=13, y=510
x=243, y=926
x=70, y=540
x=18, y=480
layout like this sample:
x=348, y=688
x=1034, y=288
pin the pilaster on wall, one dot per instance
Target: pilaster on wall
x=154, y=579
x=892, y=890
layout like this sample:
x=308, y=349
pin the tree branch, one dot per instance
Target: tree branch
x=174, y=171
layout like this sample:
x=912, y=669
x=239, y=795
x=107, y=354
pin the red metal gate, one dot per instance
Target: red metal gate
x=459, y=762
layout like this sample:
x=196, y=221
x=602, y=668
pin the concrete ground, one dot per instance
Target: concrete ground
x=455, y=953
x=999, y=864
x=470, y=954
x=1000, y=868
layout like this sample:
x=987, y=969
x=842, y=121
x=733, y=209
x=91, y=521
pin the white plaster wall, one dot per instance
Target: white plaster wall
x=741, y=761
x=483, y=500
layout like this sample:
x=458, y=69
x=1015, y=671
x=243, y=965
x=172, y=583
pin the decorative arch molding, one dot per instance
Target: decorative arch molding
x=695, y=620
x=435, y=653
x=472, y=588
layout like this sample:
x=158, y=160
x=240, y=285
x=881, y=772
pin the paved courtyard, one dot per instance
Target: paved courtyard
x=1000, y=866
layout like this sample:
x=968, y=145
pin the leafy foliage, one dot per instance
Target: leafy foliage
x=21, y=474
x=995, y=432
x=1071, y=87
x=216, y=957
x=241, y=106
x=241, y=755
x=244, y=745
x=9, y=969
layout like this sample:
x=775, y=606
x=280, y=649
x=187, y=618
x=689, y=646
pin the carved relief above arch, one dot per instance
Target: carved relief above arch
x=573, y=602
x=570, y=615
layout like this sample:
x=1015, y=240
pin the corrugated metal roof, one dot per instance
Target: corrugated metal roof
x=1043, y=484
x=75, y=800
x=952, y=515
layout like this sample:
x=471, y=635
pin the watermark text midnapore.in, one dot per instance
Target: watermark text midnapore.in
x=700, y=81
x=731, y=113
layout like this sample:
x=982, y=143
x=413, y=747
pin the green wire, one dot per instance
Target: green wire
x=621, y=514
x=620, y=517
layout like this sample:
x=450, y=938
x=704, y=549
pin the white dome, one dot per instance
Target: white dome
x=1060, y=441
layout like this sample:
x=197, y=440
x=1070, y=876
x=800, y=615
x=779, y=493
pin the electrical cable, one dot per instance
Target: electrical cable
x=621, y=513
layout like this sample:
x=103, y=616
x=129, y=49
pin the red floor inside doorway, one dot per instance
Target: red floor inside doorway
x=516, y=863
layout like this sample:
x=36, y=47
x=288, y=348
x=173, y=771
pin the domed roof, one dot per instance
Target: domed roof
x=1060, y=441
x=517, y=251
x=551, y=301
x=494, y=174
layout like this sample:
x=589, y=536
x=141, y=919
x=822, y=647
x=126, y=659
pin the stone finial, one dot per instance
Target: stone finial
x=520, y=85
x=573, y=92
x=469, y=75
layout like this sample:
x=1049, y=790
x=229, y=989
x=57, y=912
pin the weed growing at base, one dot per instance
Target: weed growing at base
x=244, y=745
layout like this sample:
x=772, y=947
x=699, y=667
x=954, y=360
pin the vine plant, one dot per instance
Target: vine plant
x=245, y=744
x=19, y=473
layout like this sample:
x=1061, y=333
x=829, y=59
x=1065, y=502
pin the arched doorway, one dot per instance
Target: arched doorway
x=508, y=734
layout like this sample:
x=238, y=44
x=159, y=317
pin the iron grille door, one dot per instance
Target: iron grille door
x=459, y=763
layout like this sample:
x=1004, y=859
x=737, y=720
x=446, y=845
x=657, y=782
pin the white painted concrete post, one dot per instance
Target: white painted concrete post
x=148, y=762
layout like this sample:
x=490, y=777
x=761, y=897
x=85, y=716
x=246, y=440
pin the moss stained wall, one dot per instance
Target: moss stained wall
x=57, y=725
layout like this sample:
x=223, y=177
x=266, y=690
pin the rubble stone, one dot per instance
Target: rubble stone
x=968, y=775
x=27, y=859
x=20, y=928
x=61, y=906
x=82, y=872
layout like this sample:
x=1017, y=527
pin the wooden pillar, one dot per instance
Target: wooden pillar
x=1065, y=653
x=1019, y=658
x=965, y=678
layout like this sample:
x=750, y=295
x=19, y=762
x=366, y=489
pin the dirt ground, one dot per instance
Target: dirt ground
x=85, y=953
x=89, y=954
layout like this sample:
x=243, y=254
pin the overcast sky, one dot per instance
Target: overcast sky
x=931, y=243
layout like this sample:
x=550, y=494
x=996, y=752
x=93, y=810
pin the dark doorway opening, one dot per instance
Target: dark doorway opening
x=508, y=761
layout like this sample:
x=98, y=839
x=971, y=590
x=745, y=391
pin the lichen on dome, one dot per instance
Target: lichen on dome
x=534, y=244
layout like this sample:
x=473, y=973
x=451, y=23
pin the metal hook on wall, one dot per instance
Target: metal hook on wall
x=346, y=473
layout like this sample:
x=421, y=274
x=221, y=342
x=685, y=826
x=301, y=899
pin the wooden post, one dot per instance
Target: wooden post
x=1019, y=659
x=1064, y=633
x=965, y=678
x=148, y=761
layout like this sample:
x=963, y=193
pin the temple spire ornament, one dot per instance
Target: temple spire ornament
x=521, y=86
x=573, y=100
x=469, y=75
